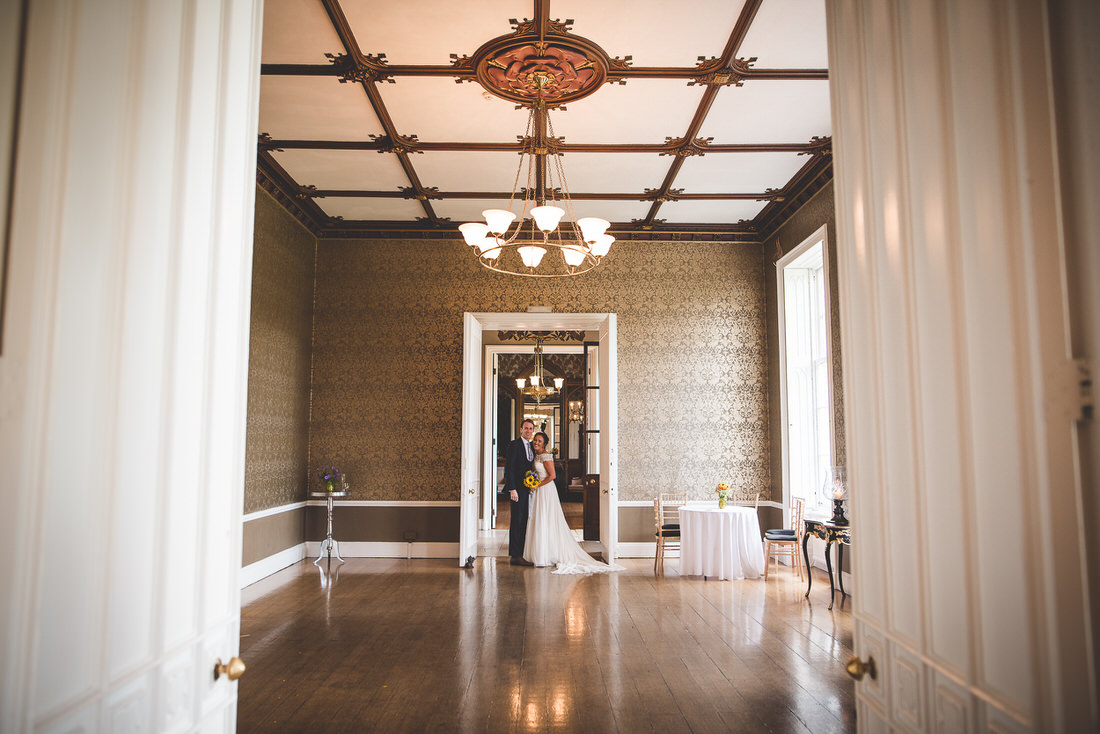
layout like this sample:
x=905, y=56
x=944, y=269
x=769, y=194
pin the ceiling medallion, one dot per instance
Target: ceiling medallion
x=557, y=74
x=555, y=67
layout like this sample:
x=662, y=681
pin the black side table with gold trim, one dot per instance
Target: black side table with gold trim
x=841, y=535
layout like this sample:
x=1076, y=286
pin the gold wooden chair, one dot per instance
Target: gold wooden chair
x=746, y=498
x=786, y=541
x=666, y=512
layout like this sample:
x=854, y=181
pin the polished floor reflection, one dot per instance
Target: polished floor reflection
x=422, y=645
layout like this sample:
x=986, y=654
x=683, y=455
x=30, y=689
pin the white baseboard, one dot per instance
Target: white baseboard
x=370, y=549
x=637, y=550
x=264, y=567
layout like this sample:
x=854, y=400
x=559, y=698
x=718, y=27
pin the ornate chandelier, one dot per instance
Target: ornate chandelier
x=522, y=250
x=539, y=389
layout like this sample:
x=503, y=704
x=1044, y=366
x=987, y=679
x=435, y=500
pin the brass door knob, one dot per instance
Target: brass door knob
x=472, y=491
x=232, y=670
x=857, y=668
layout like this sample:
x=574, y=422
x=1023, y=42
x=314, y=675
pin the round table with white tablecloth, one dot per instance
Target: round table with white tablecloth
x=722, y=543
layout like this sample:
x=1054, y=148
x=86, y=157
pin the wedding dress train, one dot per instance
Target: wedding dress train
x=549, y=540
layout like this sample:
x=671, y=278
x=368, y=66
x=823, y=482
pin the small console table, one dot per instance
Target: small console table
x=841, y=535
x=329, y=544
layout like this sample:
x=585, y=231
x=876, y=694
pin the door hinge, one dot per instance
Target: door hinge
x=1085, y=403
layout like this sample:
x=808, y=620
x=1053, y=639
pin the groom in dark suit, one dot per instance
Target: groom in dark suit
x=518, y=460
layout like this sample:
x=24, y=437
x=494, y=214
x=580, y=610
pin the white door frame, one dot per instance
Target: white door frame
x=820, y=235
x=476, y=461
x=488, y=459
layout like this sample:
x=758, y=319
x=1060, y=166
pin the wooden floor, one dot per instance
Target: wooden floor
x=573, y=511
x=424, y=646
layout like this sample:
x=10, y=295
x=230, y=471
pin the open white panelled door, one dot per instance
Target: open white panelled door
x=471, y=437
x=608, y=372
x=489, y=475
x=961, y=393
x=125, y=366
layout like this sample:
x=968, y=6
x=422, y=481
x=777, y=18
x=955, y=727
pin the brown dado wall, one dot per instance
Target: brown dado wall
x=277, y=439
x=266, y=536
x=277, y=436
x=387, y=361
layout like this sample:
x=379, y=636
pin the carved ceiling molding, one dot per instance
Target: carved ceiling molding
x=267, y=144
x=553, y=65
x=684, y=148
x=819, y=145
x=560, y=335
x=814, y=176
x=431, y=192
x=711, y=72
x=658, y=195
x=396, y=143
x=365, y=68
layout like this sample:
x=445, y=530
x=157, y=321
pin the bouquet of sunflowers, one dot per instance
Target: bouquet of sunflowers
x=531, y=479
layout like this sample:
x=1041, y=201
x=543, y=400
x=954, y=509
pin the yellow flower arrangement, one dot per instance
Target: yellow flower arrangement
x=531, y=480
x=723, y=492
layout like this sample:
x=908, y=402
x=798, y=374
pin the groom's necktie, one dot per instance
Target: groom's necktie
x=527, y=447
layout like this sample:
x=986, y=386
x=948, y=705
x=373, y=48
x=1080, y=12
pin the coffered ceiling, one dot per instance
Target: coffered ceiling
x=681, y=120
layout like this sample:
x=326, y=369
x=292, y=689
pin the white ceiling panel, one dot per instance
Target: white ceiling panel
x=428, y=31
x=435, y=109
x=612, y=211
x=469, y=210
x=402, y=210
x=710, y=212
x=315, y=108
x=787, y=34
x=598, y=173
x=654, y=32
x=641, y=111
x=738, y=173
x=468, y=171
x=357, y=170
x=770, y=112
x=298, y=33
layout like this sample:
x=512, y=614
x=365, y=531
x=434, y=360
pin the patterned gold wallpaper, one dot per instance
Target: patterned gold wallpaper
x=693, y=361
x=277, y=439
x=807, y=220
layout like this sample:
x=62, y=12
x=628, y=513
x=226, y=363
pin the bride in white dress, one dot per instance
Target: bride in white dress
x=549, y=540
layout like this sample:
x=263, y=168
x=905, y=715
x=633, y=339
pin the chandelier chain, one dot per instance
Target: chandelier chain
x=498, y=244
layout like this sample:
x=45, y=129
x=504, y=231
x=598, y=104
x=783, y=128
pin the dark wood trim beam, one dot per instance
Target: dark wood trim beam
x=578, y=196
x=641, y=72
x=342, y=28
x=624, y=232
x=740, y=30
x=300, y=70
x=417, y=146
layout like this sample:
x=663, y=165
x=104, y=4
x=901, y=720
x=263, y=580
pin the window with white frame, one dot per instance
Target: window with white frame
x=808, y=444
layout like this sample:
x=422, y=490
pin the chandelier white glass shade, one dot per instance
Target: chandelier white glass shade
x=518, y=244
x=539, y=387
